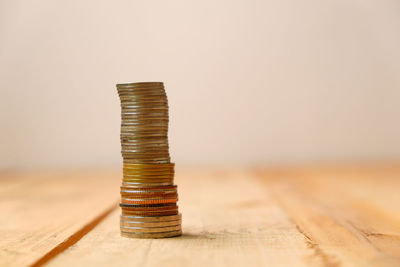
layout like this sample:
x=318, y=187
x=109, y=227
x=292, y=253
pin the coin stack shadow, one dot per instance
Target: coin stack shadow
x=148, y=194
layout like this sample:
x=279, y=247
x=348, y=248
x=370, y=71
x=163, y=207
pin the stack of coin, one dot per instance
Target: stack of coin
x=148, y=193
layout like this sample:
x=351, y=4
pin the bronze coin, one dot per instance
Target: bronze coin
x=148, y=201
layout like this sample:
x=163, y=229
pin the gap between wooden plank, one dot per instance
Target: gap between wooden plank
x=74, y=237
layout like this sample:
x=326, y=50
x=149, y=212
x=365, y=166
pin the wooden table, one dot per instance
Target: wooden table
x=295, y=216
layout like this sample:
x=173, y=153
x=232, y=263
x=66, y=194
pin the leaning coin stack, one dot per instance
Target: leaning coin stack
x=148, y=193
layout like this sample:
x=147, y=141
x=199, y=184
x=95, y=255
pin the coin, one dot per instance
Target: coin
x=145, y=148
x=170, y=212
x=155, y=175
x=149, y=166
x=154, y=218
x=144, y=185
x=128, y=186
x=139, y=84
x=153, y=195
x=149, y=181
x=146, y=161
x=145, y=190
x=149, y=224
x=148, y=201
x=135, y=229
x=141, y=91
x=136, y=90
x=148, y=196
x=152, y=235
x=148, y=208
x=147, y=172
x=166, y=176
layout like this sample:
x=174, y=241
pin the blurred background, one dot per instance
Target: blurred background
x=248, y=82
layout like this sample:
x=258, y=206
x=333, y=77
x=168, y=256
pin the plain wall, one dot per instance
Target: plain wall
x=248, y=81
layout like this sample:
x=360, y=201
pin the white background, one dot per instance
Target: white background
x=248, y=81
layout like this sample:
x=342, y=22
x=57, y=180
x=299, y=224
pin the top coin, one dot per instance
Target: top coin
x=140, y=84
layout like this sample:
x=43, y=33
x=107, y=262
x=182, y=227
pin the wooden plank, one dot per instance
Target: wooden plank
x=228, y=220
x=329, y=216
x=42, y=210
x=350, y=216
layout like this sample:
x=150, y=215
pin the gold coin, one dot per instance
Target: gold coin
x=168, y=176
x=145, y=156
x=150, y=166
x=128, y=186
x=148, y=174
x=127, y=178
x=148, y=192
x=129, y=158
x=144, y=185
x=146, y=161
x=148, y=171
x=149, y=181
x=146, y=177
x=149, y=152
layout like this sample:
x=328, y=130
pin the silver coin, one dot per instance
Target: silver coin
x=124, y=222
x=152, y=235
x=132, y=229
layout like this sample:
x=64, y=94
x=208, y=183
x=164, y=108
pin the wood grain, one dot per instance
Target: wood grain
x=40, y=211
x=228, y=219
x=349, y=216
x=296, y=216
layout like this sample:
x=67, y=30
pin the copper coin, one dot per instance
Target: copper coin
x=151, y=195
x=148, y=207
x=148, y=201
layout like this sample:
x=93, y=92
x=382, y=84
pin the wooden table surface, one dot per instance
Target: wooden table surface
x=294, y=216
